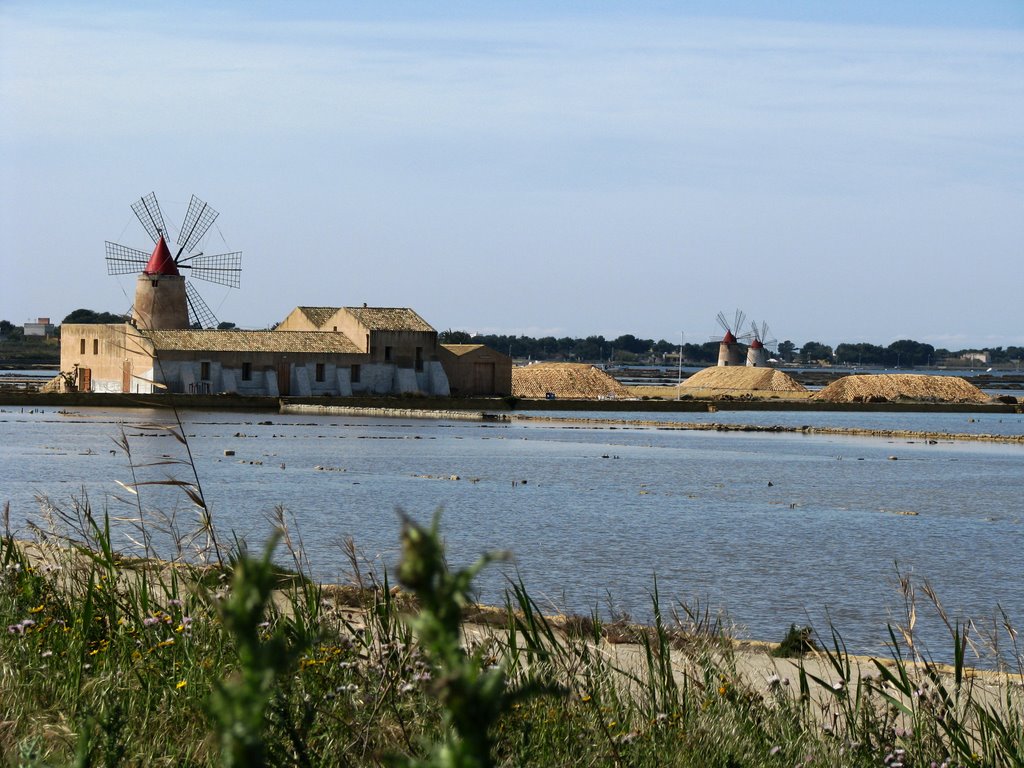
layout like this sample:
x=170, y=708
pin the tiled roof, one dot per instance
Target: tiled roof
x=319, y=315
x=389, y=319
x=462, y=349
x=252, y=341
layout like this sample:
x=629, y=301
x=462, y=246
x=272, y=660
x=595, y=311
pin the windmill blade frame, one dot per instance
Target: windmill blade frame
x=147, y=211
x=122, y=260
x=198, y=220
x=199, y=313
x=220, y=268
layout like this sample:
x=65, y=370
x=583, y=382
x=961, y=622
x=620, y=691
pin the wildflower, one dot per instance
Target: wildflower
x=20, y=627
x=174, y=602
x=775, y=750
x=181, y=684
x=149, y=621
x=46, y=654
x=584, y=697
x=406, y=687
x=38, y=608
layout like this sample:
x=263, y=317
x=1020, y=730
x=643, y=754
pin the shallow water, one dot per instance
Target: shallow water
x=775, y=528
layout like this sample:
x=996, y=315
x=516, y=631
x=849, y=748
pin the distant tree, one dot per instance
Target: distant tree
x=662, y=348
x=907, y=353
x=630, y=343
x=786, y=350
x=860, y=353
x=815, y=351
x=91, y=317
x=454, y=337
x=225, y=326
x=592, y=349
x=10, y=331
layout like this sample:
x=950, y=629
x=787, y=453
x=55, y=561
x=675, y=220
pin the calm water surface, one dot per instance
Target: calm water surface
x=773, y=529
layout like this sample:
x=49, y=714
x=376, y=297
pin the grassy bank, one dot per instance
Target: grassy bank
x=220, y=657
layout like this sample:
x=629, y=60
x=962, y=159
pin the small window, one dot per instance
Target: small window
x=82, y=350
x=204, y=371
x=246, y=371
x=95, y=346
x=368, y=347
x=419, y=358
x=335, y=329
x=387, y=354
x=356, y=373
x=321, y=372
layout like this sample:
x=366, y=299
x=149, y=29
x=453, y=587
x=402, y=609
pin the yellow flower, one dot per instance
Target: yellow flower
x=721, y=690
x=181, y=684
x=37, y=609
x=585, y=697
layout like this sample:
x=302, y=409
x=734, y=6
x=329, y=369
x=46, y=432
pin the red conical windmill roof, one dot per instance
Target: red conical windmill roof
x=728, y=338
x=161, y=263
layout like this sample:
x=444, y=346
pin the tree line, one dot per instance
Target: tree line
x=627, y=348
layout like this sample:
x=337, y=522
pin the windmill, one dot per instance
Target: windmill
x=163, y=298
x=757, y=353
x=729, y=350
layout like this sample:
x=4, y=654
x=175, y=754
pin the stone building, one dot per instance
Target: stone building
x=400, y=346
x=298, y=363
x=476, y=369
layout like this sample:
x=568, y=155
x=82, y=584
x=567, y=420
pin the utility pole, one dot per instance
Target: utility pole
x=679, y=382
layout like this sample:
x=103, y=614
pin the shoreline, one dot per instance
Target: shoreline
x=486, y=404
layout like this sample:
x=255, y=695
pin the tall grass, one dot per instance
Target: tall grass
x=229, y=659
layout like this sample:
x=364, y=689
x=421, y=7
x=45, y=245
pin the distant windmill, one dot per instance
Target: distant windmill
x=163, y=298
x=757, y=353
x=729, y=352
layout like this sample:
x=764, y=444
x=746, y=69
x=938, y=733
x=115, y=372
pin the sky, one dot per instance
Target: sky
x=843, y=172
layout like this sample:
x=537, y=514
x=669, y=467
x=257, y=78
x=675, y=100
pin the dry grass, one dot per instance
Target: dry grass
x=565, y=380
x=901, y=386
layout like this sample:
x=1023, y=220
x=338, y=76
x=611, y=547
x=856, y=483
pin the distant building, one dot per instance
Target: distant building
x=41, y=327
x=983, y=356
x=475, y=369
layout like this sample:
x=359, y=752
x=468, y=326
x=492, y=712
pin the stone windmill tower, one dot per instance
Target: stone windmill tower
x=730, y=351
x=164, y=299
x=757, y=352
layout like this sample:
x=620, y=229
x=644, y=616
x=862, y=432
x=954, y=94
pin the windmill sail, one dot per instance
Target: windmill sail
x=122, y=260
x=221, y=268
x=198, y=220
x=148, y=212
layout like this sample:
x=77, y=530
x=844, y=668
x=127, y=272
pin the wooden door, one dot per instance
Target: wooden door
x=284, y=379
x=85, y=379
x=483, y=378
x=126, y=376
